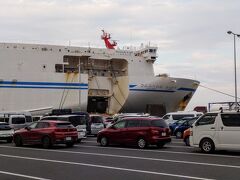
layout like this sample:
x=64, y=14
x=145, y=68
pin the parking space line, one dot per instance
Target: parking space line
x=148, y=150
x=173, y=142
x=176, y=146
x=161, y=151
x=22, y=175
x=133, y=157
x=105, y=167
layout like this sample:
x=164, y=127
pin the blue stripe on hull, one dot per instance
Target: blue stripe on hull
x=42, y=83
x=152, y=90
x=76, y=86
x=42, y=87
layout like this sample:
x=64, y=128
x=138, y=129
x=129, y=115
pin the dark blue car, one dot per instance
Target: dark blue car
x=179, y=129
x=175, y=124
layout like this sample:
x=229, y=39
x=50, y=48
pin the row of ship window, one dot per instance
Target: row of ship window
x=59, y=68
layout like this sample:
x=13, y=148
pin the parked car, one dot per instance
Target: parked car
x=174, y=116
x=46, y=133
x=216, y=130
x=178, y=131
x=175, y=124
x=96, y=123
x=118, y=117
x=78, y=121
x=186, y=135
x=87, y=118
x=140, y=131
x=6, y=132
x=15, y=120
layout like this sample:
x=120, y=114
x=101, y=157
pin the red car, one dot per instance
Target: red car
x=47, y=133
x=140, y=131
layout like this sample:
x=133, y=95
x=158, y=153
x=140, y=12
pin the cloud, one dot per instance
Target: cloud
x=201, y=56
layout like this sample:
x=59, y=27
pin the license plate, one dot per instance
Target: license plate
x=163, y=134
x=68, y=138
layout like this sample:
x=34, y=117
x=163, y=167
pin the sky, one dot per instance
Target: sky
x=191, y=35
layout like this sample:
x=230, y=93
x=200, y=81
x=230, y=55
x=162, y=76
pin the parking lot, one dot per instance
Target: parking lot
x=87, y=160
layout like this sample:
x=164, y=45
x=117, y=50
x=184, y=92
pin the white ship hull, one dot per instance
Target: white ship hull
x=174, y=96
x=29, y=80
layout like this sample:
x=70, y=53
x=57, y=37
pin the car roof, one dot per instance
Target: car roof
x=130, y=114
x=91, y=115
x=189, y=118
x=71, y=115
x=81, y=113
x=225, y=111
x=183, y=112
x=141, y=118
x=50, y=116
x=54, y=121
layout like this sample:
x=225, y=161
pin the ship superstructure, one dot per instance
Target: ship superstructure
x=34, y=76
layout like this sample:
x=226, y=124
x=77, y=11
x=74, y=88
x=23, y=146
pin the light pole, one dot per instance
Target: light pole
x=235, y=64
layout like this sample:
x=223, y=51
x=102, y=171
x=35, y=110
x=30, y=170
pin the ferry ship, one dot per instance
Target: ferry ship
x=39, y=77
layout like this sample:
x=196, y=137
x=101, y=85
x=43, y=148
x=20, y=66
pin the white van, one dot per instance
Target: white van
x=175, y=116
x=16, y=121
x=216, y=130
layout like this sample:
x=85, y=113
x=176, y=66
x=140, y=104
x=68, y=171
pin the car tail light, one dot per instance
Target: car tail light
x=168, y=130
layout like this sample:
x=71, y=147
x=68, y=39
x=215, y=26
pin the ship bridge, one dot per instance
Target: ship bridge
x=148, y=53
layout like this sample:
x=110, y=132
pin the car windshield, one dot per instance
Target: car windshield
x=5, y=126
x=180, y=121
x=77, y=120
x=180, y=116
x=191, y=121
x=96, y=119
x=166, y=117
x=18, y=120
x=159, y=123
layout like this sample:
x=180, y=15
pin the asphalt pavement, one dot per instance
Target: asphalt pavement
x=89, y=161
